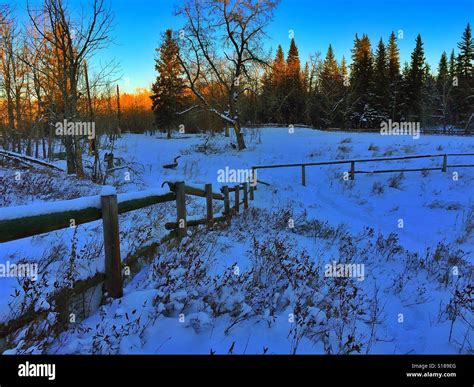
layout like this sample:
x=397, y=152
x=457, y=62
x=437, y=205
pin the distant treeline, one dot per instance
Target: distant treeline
x=328, y=93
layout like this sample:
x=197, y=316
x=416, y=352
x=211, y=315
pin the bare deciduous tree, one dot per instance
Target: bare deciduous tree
x=68, y=42
x=220, y=43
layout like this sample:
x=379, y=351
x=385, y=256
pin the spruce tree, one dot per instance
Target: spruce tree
x=381, y=82
x=443, y=89
x=345, y=107
x=361, y=99
x=273, y=90
x=403, y=102
x=414, y=82
x=168, y=91
x=452, y=64
x=306, y=90
x=429, y=104
x=394, y=76
x=295, y=99
x=464, y=92
x=466, y=53
x=443, y=71
x=331, y=91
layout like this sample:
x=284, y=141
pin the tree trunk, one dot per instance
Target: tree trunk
x=119, y=113
x=50, y=144
x=239, y=136
x=78, y=154
x=70, y=156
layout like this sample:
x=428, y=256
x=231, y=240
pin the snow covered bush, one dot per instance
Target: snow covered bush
x=395, y=181
x=460, y=307
x=377, y=188
x=180, y=277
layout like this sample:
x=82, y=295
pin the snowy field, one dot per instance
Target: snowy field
x=260, y=286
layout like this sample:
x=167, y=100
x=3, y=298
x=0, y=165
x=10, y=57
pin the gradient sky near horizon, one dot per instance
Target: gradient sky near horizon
x=139, y=24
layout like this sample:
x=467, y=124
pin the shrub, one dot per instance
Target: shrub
x=377, y=188
x=396, y=180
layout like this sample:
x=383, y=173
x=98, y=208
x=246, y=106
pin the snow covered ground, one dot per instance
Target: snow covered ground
x=261, y=285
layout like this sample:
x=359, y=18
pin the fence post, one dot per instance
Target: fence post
x=445, y=163
x=237, y=198
x=254, y=178
x=225, y=191
x=181, y=209
x=210, y=214
x=113, y=265
x=303, y=175
x=251, y=191
x=246, y=195
x=352, y=174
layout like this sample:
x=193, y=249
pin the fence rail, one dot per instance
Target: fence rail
x=352, y=172
x=448, y=131
x=26, y=221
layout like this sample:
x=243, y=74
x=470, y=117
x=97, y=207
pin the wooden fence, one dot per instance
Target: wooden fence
x=108, y=206
x=353, y=171
x=452, y=131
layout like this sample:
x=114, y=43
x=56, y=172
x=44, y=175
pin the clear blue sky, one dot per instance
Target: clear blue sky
x=316, y=24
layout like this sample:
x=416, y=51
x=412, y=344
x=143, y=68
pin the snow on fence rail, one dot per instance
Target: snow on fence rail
x=444, y=167
x=26, y=221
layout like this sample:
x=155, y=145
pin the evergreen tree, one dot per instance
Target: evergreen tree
x=345, y=108
x=168, y=96
x=429, y=104
x=464, y=92
x=273, y=90
x=381, y=82
x=466, y=53
x=344, y=70
x=404, y=100
x=293, y=61
x=452, y=64
x=443, y=89
x=362, y=113
x=331, y=91
x=295, y=100
x=393, y=76
x=443, y=70
x=414, y=82
x=306, y=90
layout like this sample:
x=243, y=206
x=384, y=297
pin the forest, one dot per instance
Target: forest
x=44, y=78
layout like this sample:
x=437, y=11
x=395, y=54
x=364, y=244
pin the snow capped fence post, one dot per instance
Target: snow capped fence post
x=303, y=175
x=352, y=174
x=113, y=271
x=225, y=191
x=237, y=198
x=445, y=163
x=181, y=208
x=254, y=181
x=246, y=195
x=210, y=214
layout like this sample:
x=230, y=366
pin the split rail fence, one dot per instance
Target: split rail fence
x=353, y=171
x=108, y=206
